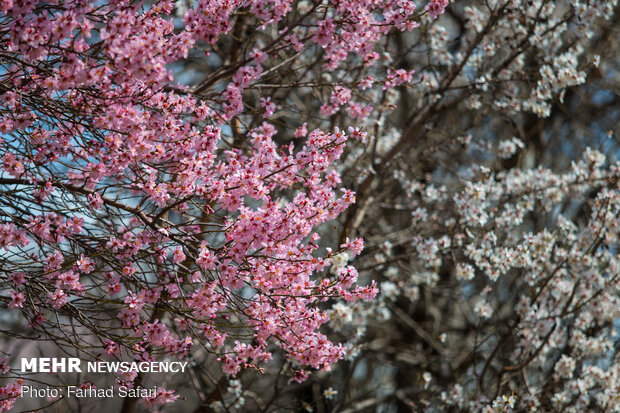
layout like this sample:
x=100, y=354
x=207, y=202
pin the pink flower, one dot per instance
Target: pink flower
x=269, y=106
x=178, y=255
x=17, y=299
x=301, y=131
x=18, y=278
x=340, y=96
x=13, y=164
x=436, y=7
x=57, y=298
x=4, y=365
x=95, y=201
x=162, y=397
x=111, y=348
x=85, y=265
x=206, y=260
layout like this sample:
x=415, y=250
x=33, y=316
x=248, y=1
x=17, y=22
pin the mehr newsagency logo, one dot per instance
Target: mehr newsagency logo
x=76, y=365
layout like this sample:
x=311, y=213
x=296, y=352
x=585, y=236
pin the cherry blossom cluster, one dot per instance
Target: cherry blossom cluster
x=128, y=198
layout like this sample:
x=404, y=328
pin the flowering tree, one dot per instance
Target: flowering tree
x=495, y=221
x=132, y=224
x=177, y=182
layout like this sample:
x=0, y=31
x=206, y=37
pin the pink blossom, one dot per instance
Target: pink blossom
x=436, y=7
x=57, y=298
x=17, y=299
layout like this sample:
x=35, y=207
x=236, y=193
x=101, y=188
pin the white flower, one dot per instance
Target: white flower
x=507, y=148
x=504, y=403
x=464, y=140
x=418, y=215
x=391, y=272
x=329, y=393
x=217, y=406
x=565, y=366
x=181, y=7
x=239, y=403
x=386, y=247
x=483, y=309
x=427, y=379
x=234, y=387
x=383, y=314
x=303, y=6
x=389, y=289
x=465, y=272
x=339, y=261
x=340, y=315
x=595, y=158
